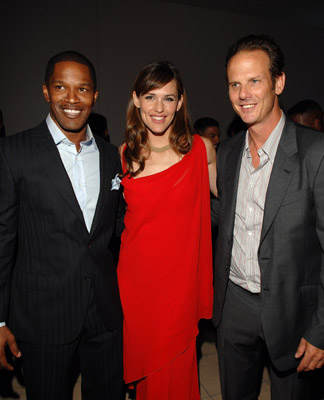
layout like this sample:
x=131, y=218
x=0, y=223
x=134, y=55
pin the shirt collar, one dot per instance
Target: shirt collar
x=58, y=136
x=271, y=144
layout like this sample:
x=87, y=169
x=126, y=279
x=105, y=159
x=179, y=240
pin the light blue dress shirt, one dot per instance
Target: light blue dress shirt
x=82, y=168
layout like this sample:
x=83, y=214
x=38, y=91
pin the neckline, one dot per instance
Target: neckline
x=163, y=171
x=169, y=168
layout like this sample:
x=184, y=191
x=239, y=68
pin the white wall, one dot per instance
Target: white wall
x=121, y=36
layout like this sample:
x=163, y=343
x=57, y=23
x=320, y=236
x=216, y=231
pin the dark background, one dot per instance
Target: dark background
x=121, y=36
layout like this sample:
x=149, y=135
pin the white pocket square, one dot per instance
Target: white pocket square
x=115, y=183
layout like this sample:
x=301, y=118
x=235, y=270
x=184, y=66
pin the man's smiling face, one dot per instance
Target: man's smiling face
x=71, y=95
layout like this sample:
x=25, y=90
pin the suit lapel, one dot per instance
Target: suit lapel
x=49, y=158
x=232, y=168
x=105, y=185
x=285, y=163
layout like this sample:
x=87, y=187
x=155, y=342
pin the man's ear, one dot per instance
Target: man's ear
x=280, y=83
x=45, y=93
x=316, y=124
x=95, y=96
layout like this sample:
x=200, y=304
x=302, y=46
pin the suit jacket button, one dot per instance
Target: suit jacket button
x=89, y=245
x=87, y=277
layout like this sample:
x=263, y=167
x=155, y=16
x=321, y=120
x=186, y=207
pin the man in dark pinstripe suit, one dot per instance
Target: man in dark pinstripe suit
x=59, y=301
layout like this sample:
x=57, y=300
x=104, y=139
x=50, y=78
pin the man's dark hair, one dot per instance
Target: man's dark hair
x=304, y=106
x=202, y=123
x=264, y=43
x=70, y=55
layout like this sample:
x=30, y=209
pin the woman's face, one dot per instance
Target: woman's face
x=158, y=108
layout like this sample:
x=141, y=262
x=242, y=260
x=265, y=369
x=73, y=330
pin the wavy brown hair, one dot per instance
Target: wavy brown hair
x=154, y=76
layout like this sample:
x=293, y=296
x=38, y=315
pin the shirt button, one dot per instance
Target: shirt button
x=87, y=277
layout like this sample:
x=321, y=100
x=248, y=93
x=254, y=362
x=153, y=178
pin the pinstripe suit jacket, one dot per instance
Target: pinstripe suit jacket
x=48, y=259
x=291, y=249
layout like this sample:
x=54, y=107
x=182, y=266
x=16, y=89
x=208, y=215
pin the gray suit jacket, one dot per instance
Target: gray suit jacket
x=48, y=259
x=291, y=246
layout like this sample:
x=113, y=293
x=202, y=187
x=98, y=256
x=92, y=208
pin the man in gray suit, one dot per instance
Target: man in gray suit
x=269, y=272
x=59, y=300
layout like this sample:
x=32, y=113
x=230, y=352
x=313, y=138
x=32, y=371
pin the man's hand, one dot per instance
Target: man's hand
x=7, y=338
x=312, y=357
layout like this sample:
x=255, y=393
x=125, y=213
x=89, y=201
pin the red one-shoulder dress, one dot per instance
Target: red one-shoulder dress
x=165, y=275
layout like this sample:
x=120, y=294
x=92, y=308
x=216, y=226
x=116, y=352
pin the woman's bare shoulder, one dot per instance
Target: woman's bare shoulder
x=211, y=153
x=121, y=149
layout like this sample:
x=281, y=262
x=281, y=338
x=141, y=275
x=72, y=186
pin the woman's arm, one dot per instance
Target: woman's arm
x=211, y=159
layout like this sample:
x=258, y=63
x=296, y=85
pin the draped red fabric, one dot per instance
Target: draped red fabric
x=175, y=381
x=165, y=264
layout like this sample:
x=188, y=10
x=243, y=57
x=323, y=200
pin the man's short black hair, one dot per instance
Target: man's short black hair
x=70, y=55
x=304, y=106
x=205, y=122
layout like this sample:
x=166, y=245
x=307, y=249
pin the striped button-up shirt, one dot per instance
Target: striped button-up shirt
x=252, y=189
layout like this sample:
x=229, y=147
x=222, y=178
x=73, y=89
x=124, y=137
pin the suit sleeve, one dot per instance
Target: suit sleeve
x=214, y=211
x=315, y=332
x=120, y=226
x=8, y=232
x=214, y=201
x=121, y=210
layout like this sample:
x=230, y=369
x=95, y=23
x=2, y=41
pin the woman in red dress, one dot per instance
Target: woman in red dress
x=165, y=263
